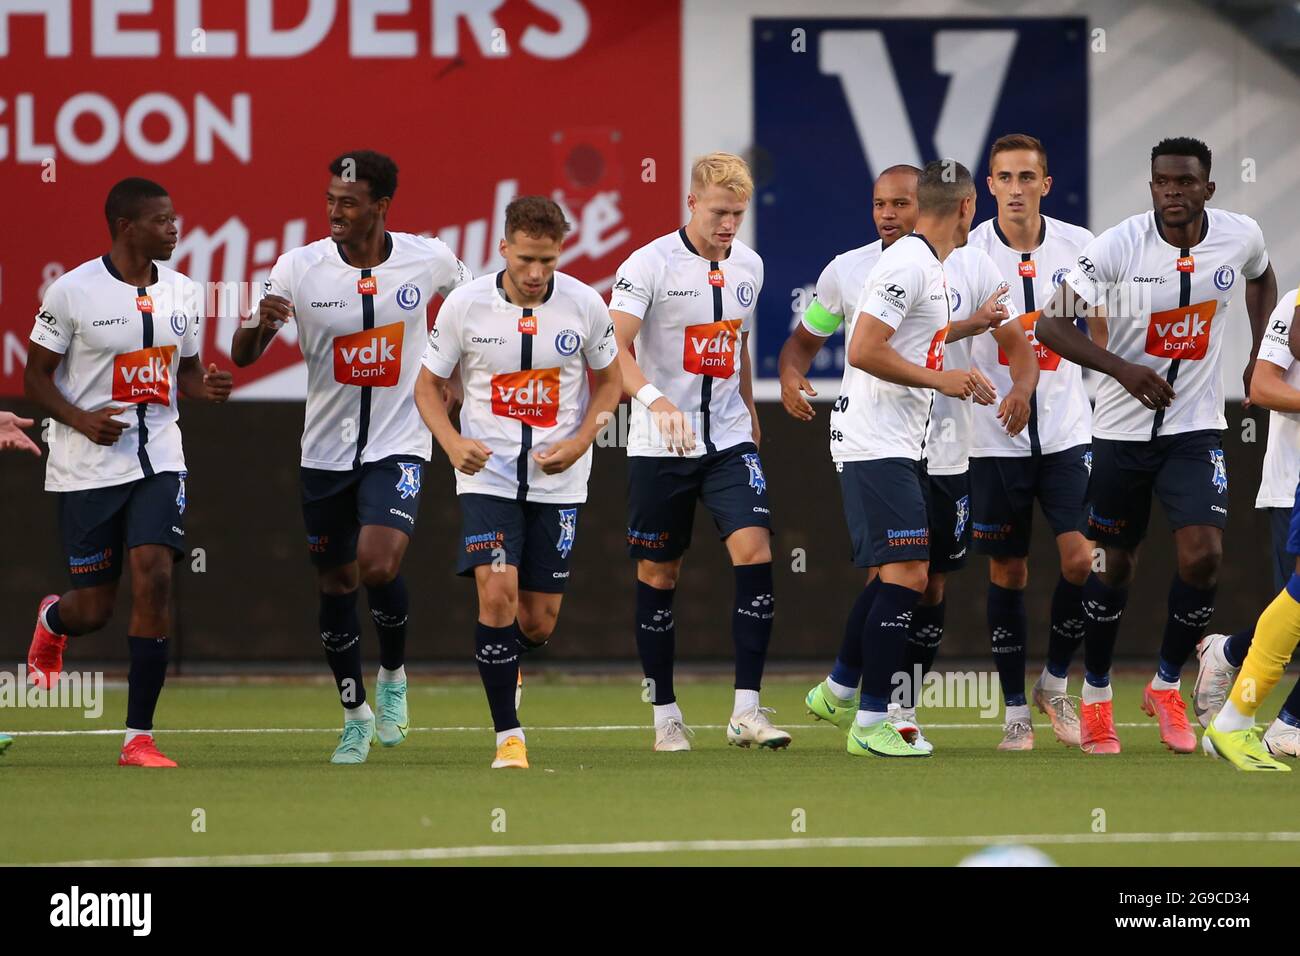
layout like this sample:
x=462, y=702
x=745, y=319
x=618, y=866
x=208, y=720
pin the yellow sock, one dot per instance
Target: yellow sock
x=1276, y=636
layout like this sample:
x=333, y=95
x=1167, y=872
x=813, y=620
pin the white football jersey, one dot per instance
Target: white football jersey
x=524, y=372
x=693, y=312
x=362, y=335
x=906, y=291
x=1282, y=457
x=972, y=280
x=1060, y=415
x=121, y=345
x=1165, y=309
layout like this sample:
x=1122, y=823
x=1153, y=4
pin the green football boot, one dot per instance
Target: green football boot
x=824, y=705
x=881, y=739
x=354, y=742
x=5, y=741
x=1242, y=748
x=391, y=720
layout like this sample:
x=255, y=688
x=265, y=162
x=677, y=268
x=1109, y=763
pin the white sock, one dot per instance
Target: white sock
x=1230, y=718
x=866, y=718
x=504, y=734
x=362, y=712
x=1158, y=684
x=1096, y=695
x=664, y=711
x=1052, y=683
x=1019, y=712
x=132, y=734
x=392, y=677
x=45, y=621
x=746, y=701
x=841, y=691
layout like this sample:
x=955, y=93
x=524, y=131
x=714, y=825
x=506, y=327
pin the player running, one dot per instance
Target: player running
x=523, y=340
x=1048, y=461
x=688, y=300
x=1173, y=271
x=114, y=346
x=1275, y=385
x=971, y=281
x=359, y=299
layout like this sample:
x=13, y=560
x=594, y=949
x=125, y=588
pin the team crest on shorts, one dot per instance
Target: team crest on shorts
x=1087, y=460
x=180, y=493
x=409, y=483
x=1220, y=478
x=756, y=479
x=568, y=530
x=963, y=515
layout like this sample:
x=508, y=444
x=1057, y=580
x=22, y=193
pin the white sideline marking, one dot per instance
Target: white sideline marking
x=685, y=846
x=991, y=725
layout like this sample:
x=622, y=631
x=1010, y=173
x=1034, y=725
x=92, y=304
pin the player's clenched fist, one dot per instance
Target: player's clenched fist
x=672, y=425
x=273, y=312
x=217, y=384
x=467, y=455
x=561, y=455
x=1145, y=385
x=793, y=388
x=1013, y=413
x=101, y=427
x=966, y=383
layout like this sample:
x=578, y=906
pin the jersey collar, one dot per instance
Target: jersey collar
x=691, y=248
x=1042, y=234
x=501, y=290
x=112, y=270
x=388, y=249
x=1205, y=228
x=918, y=235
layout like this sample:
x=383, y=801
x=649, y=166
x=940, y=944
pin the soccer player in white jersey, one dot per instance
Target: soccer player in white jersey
x=688, y=301
x=1276, y=386
x=974, y=310
x=1048, y=461
x=1165, y=278
x=114, y=346
x=898, y=339
x=359, y=298
x=523, y=340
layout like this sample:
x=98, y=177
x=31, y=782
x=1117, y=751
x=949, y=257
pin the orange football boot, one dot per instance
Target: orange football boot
x=1168, y=707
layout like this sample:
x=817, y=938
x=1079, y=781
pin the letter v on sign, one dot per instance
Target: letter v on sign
x=976, y=60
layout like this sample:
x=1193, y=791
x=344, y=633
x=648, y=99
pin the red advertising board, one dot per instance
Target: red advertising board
x=238, y=107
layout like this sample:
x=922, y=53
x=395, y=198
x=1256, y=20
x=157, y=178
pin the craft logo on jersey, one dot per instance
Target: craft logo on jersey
x=408, y=296
x=710, y=348
x=1220, y=477
x=1182, y=333
x=368, y=286
x=566, y=343
x=963, y=515
x=1048, y=361
x=757, y=481
x=568, y=529
x=1028, y=270
x=409, y=483
x=369, y=357
x=144, y=376
x=934, y=354
x=1224, y=276
x=531, y=397
x=180, y=493
x=745, y=294
x=1186, y=263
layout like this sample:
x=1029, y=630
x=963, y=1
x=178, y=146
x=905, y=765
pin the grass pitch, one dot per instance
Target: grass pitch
x=254, y=759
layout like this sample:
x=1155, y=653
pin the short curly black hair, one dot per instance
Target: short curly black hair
x=127, y=198
x=376, y=170
x=1183, y=146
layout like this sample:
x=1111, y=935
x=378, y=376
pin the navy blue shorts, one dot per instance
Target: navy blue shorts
x=1003, y=492
x=886, y=510
x=1283, y=523
x=335, y=504
x=661, y=496
x=949, y=509
x=99, y=524
x=1186, y=472
x=534, y=536
x=1293, y=533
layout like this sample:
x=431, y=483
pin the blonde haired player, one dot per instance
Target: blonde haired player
x=686, y=301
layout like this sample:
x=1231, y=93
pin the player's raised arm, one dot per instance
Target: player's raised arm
x=1014, y=410
x=206, y=384
x=251, y=339
x=871, y=352
x=990, y=315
